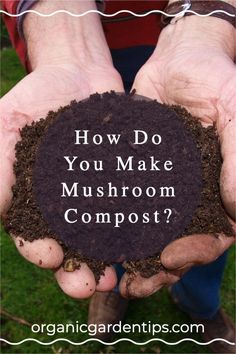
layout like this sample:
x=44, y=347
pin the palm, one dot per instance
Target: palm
x=198, y=81
x=45, y=89
x=53, y=86
x=203, y=83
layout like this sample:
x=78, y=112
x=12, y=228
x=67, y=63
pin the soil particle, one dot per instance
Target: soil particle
x=21, y=243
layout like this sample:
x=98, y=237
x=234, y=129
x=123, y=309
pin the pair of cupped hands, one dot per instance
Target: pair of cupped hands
x=192, y=66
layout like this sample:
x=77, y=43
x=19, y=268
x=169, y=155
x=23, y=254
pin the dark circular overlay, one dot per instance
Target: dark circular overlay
x=123, y=201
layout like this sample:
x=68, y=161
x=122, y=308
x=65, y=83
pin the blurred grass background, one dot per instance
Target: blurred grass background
x=32, y=294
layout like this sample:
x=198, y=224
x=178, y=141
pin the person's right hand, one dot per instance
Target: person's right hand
x=69, y=63
x=48, y=88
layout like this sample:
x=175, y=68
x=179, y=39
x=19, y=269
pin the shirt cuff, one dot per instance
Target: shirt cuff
x=23, y=5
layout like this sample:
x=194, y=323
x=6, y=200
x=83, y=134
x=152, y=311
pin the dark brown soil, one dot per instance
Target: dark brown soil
x=24, y=217
x=106, y=115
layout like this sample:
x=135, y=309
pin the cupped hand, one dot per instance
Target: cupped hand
x=48, y=88
x=193, y=66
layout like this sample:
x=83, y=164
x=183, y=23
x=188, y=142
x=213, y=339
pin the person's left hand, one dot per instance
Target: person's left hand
x=192, y=66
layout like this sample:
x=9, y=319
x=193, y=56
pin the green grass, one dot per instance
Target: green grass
x=11, y=70
x=32, y=294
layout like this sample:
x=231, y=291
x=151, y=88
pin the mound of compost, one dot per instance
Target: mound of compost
x=36, y=210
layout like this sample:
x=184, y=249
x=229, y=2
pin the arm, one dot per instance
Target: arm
x=62, y=38
x=193, y=66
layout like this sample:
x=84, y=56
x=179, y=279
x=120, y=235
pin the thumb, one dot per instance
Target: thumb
x=227, y=134
x=11, y=121
x=7, y=178
x=146, y=83
x=228, y=171
x=195, y=250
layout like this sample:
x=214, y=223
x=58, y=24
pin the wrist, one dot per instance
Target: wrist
x=62, y=39
x=216, y=33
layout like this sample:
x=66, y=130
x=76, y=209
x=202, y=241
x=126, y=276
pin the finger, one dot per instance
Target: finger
x=228, y=184
x=7, y=180
x=148, y=86
x=108, y=280
x=135, y=286
x=45, y=253
x=7, y=177
x=79, y=284
x=195, y=249
x=228, y=151
x=179, y=272
x=10, y=124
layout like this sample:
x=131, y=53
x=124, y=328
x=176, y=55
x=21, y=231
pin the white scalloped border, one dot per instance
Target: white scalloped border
x=116, y=341
x=121, y=339
x=115, y=13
